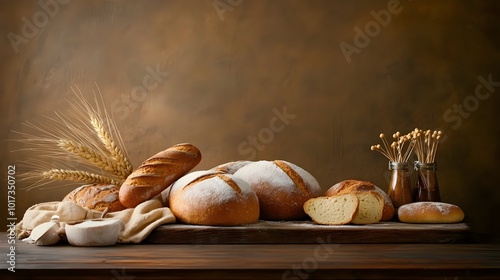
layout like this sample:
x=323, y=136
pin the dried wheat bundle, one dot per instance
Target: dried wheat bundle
x=80, y=145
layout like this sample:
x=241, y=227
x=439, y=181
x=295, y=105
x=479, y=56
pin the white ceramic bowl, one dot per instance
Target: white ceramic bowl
x=96, y=232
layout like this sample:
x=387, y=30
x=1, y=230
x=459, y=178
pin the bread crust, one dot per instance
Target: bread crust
x=353, y=186
x=213, y=198
x=232, y=166
x=282, y=188
x=97, y=197
x=429, y=212
x=157, y=173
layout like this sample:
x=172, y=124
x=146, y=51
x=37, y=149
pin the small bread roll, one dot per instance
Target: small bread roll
x=282, y=188
x=96, y=197
x=332, y=210
x=213, y=198
x=427, y=212
x=357, y=186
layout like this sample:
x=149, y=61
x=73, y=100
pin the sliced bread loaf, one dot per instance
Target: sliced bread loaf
x=371, y=206
x=333, y=210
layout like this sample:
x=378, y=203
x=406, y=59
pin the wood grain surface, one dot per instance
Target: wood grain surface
x=433, y=261
x=305, y=232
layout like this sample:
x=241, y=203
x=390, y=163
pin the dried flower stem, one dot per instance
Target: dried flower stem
x=426, y=144
x=396, y=151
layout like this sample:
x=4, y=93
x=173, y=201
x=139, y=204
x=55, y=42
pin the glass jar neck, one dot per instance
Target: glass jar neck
x=425, y=166
x=393, y=165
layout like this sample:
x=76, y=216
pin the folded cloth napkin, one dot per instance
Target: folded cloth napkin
x=139, y=221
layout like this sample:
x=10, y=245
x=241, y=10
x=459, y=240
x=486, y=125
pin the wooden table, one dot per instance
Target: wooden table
x=254, y=261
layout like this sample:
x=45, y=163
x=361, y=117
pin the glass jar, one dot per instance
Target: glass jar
x=426, y=185
x=400, y=190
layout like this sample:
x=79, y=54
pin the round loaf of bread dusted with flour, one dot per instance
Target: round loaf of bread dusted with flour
x=357, y=186
x=96, y=197
x=282, y=188
x=231, y=167
x=427, y=212
x=213, y=198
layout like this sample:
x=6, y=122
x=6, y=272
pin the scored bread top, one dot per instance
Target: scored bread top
x=266, y=172
x=274, y=173
x=296, y=178
x=158, y=172
x=229, y=181
x=231, y=167
x=186, y=148
x=96, y=196
x=213, y=198
x=282, y=188
x=200, y=185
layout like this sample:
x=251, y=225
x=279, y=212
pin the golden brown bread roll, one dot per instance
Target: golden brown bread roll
x=354, y=186
x=427, y=212
x=282, y=188
x=96, y=197
x=157, y=173
x=213, y=198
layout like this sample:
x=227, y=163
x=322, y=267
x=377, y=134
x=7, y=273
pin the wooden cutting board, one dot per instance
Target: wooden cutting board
x=306, y=232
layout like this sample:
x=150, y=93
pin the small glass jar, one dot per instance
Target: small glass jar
x=426, y=185
x=400, y=190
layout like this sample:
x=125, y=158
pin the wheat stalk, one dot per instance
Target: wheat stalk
x=122, y=161
x=92, y=156
x=76, y=176
x=85, y=133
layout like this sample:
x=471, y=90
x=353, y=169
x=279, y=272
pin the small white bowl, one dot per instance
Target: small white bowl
x=96, y=232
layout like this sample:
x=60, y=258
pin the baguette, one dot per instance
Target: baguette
x=157, y=173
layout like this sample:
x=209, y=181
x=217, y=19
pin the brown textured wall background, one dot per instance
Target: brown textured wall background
x=224, y=73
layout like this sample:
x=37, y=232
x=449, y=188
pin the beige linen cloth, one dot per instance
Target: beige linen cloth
x=139, y=221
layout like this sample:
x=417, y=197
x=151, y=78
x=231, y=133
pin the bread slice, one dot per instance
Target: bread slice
x=370, y=209
x=332, y=210
x=356, y=186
